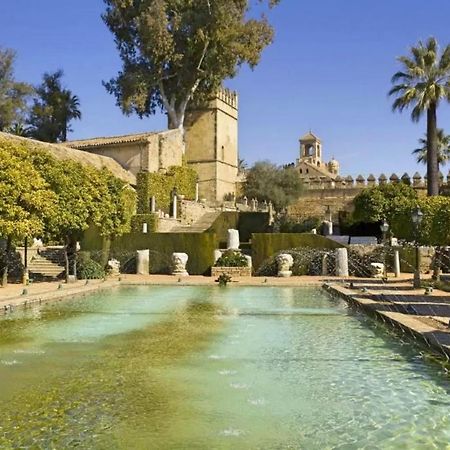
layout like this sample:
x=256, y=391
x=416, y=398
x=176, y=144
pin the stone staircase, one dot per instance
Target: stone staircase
x=48, y=263
x=200, y=226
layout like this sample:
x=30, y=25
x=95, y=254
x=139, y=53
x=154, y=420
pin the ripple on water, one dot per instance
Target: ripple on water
x=239, y=385
x=12, y=362
x=232, y=432
x=29, y=352
x=216, y=357
x=257, y=401
x=227, y=372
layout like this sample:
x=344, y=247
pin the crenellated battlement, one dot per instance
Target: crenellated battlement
x=360, y=182
x=229, y=97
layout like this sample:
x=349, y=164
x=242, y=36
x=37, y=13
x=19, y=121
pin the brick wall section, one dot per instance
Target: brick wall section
x=236, y=272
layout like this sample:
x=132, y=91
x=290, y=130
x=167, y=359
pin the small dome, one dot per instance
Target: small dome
x=334, y=166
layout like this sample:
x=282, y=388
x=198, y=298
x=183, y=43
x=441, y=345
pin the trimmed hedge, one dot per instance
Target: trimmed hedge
x=265, y=245
x=225, y=221
x=138, y=221
x=199, y=246
x=160, y=185
x=246, y=222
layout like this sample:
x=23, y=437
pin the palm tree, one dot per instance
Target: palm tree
x=69, y=110
x=53, y=110
x=443, y=148
x=423, y=83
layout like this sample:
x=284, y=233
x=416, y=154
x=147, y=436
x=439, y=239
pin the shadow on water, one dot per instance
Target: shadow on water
x=124, y=390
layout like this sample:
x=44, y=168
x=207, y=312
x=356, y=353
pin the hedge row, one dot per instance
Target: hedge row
x=199, y=246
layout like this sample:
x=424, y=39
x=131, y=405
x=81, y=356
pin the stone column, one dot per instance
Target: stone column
x=175, y=206
x=249, y=261
x=143, y=262
x=341, y=262
x=233, y=240
x=153, y=204
x=145, y=227
x=397, y=269
x=197, y=195
x=325, y=264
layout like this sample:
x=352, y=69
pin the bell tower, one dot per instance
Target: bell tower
x=311, y=149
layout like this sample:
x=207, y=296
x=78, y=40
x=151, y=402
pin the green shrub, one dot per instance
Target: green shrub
x=266, y=245
x=88, y=269
x=232, y=258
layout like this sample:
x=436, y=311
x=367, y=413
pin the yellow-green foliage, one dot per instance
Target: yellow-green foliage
x=26, y=199
x=59, y=199
x=160, y=185
x=265, y=245
x=435, y=229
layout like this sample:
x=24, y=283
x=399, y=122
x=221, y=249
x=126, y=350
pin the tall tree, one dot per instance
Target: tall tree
x=14, y=95
x=174, y=51
x=423, y=83
x=53, y=109
x=26, y=200
x=443, y=148
x=266, y=181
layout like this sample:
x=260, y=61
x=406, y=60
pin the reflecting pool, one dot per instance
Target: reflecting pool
x=211, y=368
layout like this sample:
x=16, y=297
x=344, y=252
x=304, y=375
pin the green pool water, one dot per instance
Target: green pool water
x=211, y=368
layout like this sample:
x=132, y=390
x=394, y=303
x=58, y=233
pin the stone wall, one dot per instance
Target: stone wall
x=235, y=272
x=191, y=212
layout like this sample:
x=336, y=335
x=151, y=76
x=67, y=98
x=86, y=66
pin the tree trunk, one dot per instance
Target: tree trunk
x=66, y=258
x=432, y=152
x=6, y=262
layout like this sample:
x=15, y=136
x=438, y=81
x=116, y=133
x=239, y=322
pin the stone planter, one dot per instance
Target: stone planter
x=233, y=272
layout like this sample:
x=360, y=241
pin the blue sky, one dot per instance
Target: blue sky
x=329, y=70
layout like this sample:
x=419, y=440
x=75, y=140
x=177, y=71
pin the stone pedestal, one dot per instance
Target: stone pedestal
x=233, y=240
x=249, y=261
x=327, y=228
x=217, y=255
x=285, y=263
x=143, y=262
x=179, y=261
x=397, y=270
x=341, y=262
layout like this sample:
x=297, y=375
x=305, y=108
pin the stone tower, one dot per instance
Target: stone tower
x=311, y=149
x=212, y=146
x=311, y=164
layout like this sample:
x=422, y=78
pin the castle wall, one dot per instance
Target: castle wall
x=150, y=152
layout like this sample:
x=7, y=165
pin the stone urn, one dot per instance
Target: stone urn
x=377, y=270
x=179, y=261
x=114, y=267
x=285, y=263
